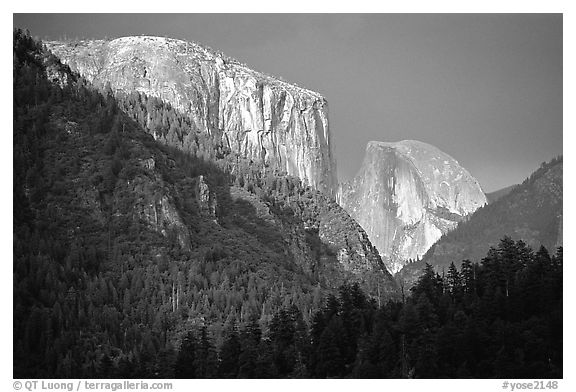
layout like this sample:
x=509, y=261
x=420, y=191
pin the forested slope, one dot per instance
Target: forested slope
x=122, y=244
x=133, y=259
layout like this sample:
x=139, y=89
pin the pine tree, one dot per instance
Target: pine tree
x=250, y=338
x=206, y=359
x=282, y=331
x=106, y=367
x=264, y=366
x=229, y=356
x=330, y=359
x=302, y=344
x=468, y=277
x=185, y=366
x=430, y=284
x=454, y=281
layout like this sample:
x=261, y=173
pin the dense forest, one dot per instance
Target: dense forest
x=123, y=243
x=214, y=287
x=501, y=318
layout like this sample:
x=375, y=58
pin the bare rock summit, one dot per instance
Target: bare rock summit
x=258, y=116
x=406, y=195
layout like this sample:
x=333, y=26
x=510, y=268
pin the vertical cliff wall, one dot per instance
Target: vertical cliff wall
x=406, y=195
x=258, y=116
x=531, y=211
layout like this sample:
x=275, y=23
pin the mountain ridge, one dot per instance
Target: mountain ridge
x=497, y=194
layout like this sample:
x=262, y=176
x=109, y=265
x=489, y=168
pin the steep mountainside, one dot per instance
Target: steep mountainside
x=493, y=196
x=134, y=259
x=531, y=212
x=260, y=117
x=406, y=195
x=122, y=243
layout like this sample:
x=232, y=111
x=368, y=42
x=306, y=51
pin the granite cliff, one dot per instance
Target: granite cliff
x=531, y=212
x=406, y=195
x=125, y=242
x=260, y=117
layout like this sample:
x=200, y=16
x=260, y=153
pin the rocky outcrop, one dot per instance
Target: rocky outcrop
x=206, y=200
x=406, y=195
x=154, y=205
x=258, y=116
x=348, y=242
x=323, y=241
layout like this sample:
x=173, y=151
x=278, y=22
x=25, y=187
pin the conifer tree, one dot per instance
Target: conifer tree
x=185, y=366
x=229, y=355
x=454, y=281
x=206, y=359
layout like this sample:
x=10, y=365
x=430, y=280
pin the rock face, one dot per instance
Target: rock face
x=324, y=242
x=154, y=205
x=258, y=116
x=531, y=212
x=406, y=195
x=345, y=240
x=206, y=199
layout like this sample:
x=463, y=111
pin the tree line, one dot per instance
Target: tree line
x=497, y=319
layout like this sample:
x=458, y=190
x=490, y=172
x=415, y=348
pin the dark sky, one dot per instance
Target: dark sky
x=486, y=89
